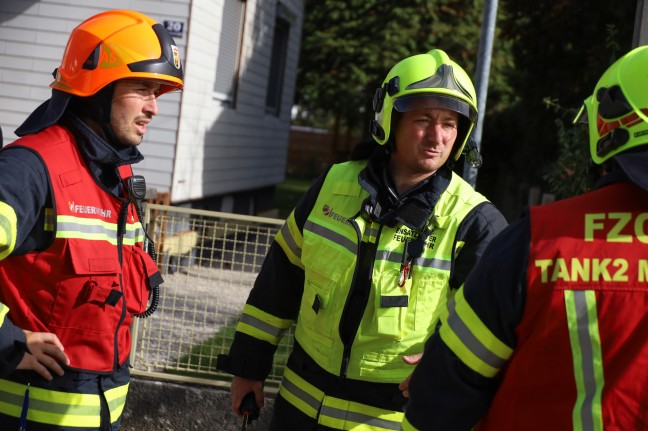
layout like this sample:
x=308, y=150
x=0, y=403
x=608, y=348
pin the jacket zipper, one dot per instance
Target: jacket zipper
x=121, y=229
x=351, y=307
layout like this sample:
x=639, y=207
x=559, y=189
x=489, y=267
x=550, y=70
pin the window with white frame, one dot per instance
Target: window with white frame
x=229, y=52
x=278, y=60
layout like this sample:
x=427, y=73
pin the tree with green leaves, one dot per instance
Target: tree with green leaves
x=559, y=49
x=574, y=173
x=542, y=51
x=349, y=46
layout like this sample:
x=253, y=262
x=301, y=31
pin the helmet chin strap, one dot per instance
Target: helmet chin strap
x=98, y=108
x=104, y=108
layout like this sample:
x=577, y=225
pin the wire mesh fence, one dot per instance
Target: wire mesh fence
x=209, y=261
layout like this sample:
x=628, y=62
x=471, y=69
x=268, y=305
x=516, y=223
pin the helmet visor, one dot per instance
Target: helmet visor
x=412, y=102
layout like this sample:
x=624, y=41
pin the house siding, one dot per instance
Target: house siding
x=33, y=35
x=223, y=150
x=195, y=148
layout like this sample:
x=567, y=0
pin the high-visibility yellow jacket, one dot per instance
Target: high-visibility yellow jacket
x=360, y=300
x=398, y=316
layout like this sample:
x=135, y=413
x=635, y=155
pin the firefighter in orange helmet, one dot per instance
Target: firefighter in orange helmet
x=73, y=271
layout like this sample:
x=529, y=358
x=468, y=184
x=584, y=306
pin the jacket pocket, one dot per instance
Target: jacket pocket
x=140, y=274
x=326, y=260
x=88, y=298
x=391, y=302
x=429, y=295
x=317, y=313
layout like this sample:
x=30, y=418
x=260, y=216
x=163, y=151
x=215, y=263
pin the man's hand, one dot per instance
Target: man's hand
x=241, y=387
x=46, y=354
x=412, y=360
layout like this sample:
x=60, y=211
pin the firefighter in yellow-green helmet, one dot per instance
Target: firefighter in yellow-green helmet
x=549, y=331
x=367, y=259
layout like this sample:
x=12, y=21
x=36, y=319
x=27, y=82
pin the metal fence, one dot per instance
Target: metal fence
x=209, y=261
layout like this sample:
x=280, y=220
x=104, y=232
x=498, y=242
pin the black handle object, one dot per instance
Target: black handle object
x=136, y=187
x=249, y=409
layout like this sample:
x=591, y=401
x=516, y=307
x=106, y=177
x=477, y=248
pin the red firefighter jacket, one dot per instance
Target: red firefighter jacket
x=549, y=330
x=95, y=274
x=582, y=357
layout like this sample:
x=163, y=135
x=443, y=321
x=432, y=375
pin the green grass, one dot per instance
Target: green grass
x=288, y=193
x=201, y=360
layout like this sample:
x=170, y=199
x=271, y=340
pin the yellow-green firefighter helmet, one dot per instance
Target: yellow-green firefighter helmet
x=430, y=80
x=617, y=111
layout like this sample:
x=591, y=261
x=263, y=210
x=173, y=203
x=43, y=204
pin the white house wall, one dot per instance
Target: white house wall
x=194, y=148
x=223, y=150
x=33, y=34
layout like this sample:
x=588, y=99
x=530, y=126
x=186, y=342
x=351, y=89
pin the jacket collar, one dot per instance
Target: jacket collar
x=102, y=158
x=412, y=209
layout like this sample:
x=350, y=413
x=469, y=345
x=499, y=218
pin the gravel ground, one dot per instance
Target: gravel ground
x=202, y=295
x=195, y=303
x=163, y=406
